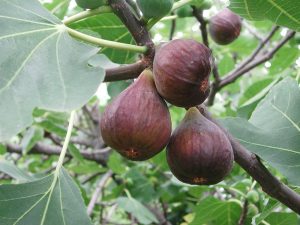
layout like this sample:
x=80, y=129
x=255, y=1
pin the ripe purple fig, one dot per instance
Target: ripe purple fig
x=181, y=72
x=199, y=152
x=225, y=27
x=137, y=123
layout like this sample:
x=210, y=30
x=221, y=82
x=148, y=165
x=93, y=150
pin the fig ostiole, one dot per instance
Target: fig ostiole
x=181, y=72
x=137, y=123
x=225, y=27
x=199, y=153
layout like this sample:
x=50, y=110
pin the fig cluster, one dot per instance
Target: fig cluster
x=225, y=27
x=137, y=123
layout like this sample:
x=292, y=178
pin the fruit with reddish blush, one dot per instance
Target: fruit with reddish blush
x=181, y=72
x=199, y=152
x=137, y=123
x=225, y=27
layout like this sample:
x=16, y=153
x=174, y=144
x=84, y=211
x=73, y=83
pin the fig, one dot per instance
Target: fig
x=202, y=4
x=185, y=11
x=137, y=123
x=155, y=8
x=225, y=27
x=252, y=196
x=181, y=72
x=199, y=152
x=90, y=4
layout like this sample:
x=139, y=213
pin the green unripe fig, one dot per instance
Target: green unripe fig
x=252, y=210
x=91, y=4
x=207, y=4
x=253, y=196
x=155, y=8
x=297, y=38
x=185, y=11
x=202, y=4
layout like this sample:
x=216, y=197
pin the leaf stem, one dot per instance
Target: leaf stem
x=298, y=76
x=106, y=43
x=87, y=13
x=66, y=143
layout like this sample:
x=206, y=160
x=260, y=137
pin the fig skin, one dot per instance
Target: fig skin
x=181, y=72
x=137, y=123
x=199, y=152
x=225, y=27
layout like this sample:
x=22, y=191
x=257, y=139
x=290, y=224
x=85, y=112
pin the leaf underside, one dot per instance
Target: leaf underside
x=273, y=131
x=40, y=66
x=46, y=201
x=281, y=12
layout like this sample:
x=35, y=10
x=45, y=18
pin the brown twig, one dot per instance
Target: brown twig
x=253, y=166
x=260, y=60
x=256, y=51
x=257, y=58
x=98, y=191
x=137, y=29
x=173, y=28
x=41, y=148
x=126, y=72
x=243, y=216
x=198, y=13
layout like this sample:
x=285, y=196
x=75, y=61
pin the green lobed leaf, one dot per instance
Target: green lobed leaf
x=273, y=130
x=283, y=13
x=116, y=163
x=138, y=210
x=31, y=137
x=58, y=7
x=46, y=201
x=109, y=27
x=142, y=189
x=281, y=218
x=13, y=171
x=216, y=212
x=41, y=66
x=267, y=210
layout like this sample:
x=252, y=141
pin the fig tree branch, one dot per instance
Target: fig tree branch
x=256, y=59
x=256, y=51
x=243, y=216
x=198, y=14
x=254, y=167
x=136, y=28
x=262, y=58
x=125, y=72
x=173, y=28
x=41, y=148
x=98, y=191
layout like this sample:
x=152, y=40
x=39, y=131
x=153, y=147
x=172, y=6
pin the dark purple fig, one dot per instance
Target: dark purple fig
x=199, y=152
x=137, y=123
x=225, y=27
x=181, y=72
